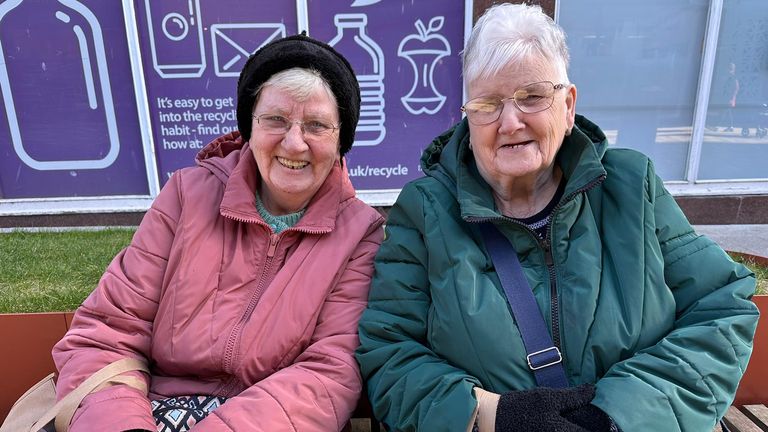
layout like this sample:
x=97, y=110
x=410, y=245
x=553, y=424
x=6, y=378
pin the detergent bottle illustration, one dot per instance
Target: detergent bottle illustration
x=367, y=60
x=55, y=84
x=423, y=50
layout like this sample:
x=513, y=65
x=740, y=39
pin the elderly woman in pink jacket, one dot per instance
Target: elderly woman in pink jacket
x=243, y=285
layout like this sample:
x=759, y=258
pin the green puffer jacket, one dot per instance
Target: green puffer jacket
x=657, y=316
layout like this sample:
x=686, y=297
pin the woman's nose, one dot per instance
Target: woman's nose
x=511, y=118
x=294, y=138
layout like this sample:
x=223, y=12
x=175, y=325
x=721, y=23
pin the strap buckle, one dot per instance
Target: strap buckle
x=546, y=357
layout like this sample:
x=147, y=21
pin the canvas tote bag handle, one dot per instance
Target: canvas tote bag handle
x=65, y=408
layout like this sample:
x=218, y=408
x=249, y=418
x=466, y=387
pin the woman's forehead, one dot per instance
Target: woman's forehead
x=512, y=77
x=318, y=102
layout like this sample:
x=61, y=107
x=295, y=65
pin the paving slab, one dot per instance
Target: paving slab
x=751, y=239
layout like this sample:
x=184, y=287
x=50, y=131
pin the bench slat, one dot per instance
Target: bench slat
x=758, y=414
x=737, y=421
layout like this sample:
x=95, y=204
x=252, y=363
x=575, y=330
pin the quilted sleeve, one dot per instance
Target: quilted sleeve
x=410, y=387
x=115, y=321
x=689, y=378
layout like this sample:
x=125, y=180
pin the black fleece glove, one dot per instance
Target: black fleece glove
x=592, y=419
x=541, y=409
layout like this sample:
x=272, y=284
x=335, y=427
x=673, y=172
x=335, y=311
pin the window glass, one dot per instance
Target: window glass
x=736, y=134
x=636, y=66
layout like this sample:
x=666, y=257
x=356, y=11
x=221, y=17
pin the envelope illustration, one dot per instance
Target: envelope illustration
x=234, y=43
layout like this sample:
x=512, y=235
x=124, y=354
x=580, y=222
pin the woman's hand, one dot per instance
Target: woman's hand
x=487, y=402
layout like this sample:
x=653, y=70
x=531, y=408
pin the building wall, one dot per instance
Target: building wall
x=659, y=86
x=661, y=95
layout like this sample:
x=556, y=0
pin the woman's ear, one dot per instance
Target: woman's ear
x=570, y=106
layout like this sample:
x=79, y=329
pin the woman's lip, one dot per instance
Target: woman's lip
x=292, y=164
x=517, y=144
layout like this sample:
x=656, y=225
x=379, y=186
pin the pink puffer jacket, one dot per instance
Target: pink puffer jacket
x=220, y=305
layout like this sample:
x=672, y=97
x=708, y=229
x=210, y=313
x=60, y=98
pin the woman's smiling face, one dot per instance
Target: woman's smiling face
x=520, y=145
x=292, y=166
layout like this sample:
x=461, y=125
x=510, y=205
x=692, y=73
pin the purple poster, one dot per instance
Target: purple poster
x=193, y=52
x=406, y=58
x=69, y=124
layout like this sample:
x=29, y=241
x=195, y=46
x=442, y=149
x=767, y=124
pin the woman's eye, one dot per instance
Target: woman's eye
x=316, y=126
x=484, y=107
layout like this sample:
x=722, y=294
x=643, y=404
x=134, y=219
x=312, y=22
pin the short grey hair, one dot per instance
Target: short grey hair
x=511, y=34
x=297, y=82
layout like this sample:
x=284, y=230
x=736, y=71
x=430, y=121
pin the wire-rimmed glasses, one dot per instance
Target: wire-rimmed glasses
x=275, y=124
x=530, y=98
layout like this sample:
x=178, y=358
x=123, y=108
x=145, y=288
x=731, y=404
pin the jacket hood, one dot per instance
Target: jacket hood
x=449, y=160
x=223, y=157
x=214, y=155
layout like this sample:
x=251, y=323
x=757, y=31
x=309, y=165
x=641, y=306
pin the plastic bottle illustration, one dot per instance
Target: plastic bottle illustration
x=55, y=84
x=367, y=59
x=423, y=51
x=176, y=38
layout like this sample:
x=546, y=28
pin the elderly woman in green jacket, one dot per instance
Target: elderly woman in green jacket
x=651, y=324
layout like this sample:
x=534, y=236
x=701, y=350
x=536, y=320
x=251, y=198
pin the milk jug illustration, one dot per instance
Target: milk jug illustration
x=367, y=60
x=423, y=50
x=55, y=83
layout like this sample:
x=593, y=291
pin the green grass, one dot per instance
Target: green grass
x=55, y=271
x=761, y=272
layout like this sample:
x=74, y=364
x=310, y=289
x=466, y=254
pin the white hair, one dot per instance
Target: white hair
x=512, y=34
x=298, y=82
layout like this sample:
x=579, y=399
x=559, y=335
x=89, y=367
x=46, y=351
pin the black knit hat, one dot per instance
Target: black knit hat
x=304, y=52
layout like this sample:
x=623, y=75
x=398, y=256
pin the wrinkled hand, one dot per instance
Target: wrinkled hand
x=486, y=412
x=543, y=409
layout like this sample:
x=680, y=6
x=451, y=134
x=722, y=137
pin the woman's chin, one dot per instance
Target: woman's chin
x=520, y=168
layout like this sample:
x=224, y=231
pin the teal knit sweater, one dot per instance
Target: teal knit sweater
x=278, y=223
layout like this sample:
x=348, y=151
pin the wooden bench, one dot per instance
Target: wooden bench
x=27, y=340
x=747, y=418
x=363, y=419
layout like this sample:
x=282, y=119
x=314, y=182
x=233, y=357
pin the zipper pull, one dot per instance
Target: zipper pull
x=273, y=238
x=548, y=253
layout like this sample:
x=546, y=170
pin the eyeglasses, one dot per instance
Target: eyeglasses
x=278, y=125
x=530, y=98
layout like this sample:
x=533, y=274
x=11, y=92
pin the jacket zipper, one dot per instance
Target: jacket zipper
x=550, y=261
x=554, y=299
x=229, y=351
x=234, y=335
x=546, y=245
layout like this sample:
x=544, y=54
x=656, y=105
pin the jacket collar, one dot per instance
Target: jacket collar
x=230, y=159
x=449, y=160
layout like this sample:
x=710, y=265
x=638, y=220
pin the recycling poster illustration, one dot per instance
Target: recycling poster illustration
x=406, y=58
x=72, y=126
x=69, y=125
x=193, y=52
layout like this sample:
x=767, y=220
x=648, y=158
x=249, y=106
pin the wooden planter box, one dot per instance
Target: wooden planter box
x=753, y=388
x=27, y=340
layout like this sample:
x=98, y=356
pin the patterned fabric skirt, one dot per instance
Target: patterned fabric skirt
x=180, y=413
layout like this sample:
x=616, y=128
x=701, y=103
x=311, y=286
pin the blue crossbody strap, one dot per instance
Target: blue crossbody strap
x=544, y=358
